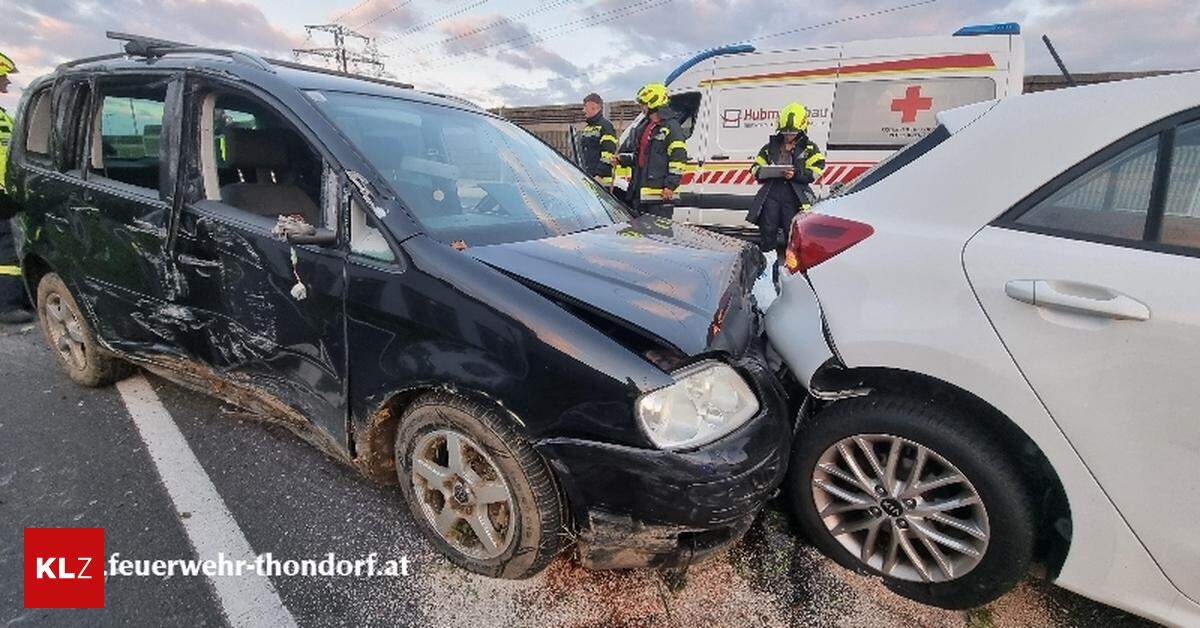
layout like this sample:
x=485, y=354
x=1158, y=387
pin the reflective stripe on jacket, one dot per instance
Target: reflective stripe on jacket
x=597, y=143
x=6, y=127
x=808, y=163
x=666, y=158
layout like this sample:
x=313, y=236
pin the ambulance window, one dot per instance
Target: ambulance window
x=685, y=107
x=888, y=115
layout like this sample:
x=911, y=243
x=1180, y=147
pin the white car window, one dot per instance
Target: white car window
x=1181, y=221
x=1111, y=200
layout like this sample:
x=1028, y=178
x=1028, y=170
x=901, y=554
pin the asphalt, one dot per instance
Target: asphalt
x=72, y=457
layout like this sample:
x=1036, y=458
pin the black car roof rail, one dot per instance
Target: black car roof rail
x=320, y=70
x=143, y=46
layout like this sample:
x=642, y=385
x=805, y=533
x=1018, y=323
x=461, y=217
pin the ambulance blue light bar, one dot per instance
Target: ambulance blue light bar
x=1006, y=28
x=705, y=55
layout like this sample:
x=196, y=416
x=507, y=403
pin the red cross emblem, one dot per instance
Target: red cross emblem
x=911, y=104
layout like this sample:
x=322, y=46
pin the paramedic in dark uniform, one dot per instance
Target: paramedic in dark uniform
x=658, y=152
x=598, y=143
x=782, y=196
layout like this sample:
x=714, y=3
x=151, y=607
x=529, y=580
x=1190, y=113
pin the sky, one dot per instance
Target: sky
x=519, y=52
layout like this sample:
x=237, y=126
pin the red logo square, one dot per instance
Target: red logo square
x=64, y=567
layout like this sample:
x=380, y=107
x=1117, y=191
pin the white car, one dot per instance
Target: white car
x=999, y=330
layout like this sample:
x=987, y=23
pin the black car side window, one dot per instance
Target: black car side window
x=365, y=239
x=37, y=127
x=126, y=128
x=254, y=160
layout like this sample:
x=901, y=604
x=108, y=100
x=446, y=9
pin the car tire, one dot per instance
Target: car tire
x=523, y=514
x=822, y=480
x=71, y=339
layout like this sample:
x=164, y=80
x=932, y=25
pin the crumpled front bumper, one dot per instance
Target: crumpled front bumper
x=651, y=508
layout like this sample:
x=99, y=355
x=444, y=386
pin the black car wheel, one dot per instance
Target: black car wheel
x=915, y=493
x=71, y=339
x=483, y=496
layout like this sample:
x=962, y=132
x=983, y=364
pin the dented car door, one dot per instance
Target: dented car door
x=120, y=209
x=264, y=315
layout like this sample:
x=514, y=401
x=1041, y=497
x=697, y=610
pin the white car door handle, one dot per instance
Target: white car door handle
x=1077, y=297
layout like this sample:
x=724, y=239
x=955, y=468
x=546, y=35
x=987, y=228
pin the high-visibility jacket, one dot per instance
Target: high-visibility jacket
x=666, y=159
x=6, y=126
x=807, y=160
x=597, y=144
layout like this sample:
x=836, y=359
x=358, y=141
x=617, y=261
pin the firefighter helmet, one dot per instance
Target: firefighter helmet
x=793, y=118
x=6, y=65
x=652, y=95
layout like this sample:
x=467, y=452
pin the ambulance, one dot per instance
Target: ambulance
x=866, y=99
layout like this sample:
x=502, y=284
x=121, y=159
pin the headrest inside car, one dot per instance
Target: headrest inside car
x=256, y=148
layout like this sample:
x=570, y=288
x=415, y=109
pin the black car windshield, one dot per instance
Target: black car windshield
x=469, y=177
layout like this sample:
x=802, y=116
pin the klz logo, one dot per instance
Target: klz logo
x=731, y=118
x=64, y=567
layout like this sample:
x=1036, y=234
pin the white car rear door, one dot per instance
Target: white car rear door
x=1093, y=284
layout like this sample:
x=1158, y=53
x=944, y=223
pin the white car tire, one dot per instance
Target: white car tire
x=942, y=514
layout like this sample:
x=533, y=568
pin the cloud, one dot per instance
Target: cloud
x=1117, y=35
x=378, y=18
x=494, y=35
x=39, y=34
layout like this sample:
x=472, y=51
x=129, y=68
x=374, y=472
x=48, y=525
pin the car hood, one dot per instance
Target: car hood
x=683, y=285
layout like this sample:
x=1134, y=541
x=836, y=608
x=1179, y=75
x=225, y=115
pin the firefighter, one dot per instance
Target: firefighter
x=780, y=198
x=598, y=143
x=659, y=155
x=14, y=304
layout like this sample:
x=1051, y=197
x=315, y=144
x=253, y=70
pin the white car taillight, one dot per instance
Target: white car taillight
x=815, y=238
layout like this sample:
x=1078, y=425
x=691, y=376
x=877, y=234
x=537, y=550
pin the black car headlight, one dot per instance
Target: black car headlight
x=707, y=401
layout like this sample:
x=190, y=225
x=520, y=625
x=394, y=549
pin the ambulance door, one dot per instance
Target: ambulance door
x=746, y=95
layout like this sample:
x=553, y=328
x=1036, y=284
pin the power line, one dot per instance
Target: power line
x=340, y=54
x=356, y=7
x=536, y=37
x=792, y=31
x=869, y=14
x=511, y=19
x=437, y=20
x=612, y=14
x=395, y=7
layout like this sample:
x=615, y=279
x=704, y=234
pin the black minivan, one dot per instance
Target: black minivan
x=421, y=288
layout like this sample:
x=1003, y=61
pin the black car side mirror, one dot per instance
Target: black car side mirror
x=322, y=237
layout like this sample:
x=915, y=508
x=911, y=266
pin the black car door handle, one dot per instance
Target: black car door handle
x=719, y=157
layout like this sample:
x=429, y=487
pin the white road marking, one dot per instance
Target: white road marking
x=248, y=600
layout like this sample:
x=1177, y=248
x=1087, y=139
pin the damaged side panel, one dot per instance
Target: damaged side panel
x=118, y=227
x=239, y=312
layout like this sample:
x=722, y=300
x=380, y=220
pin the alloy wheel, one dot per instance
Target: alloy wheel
x=66, y=331
x=462, y=493
x=900, y=508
